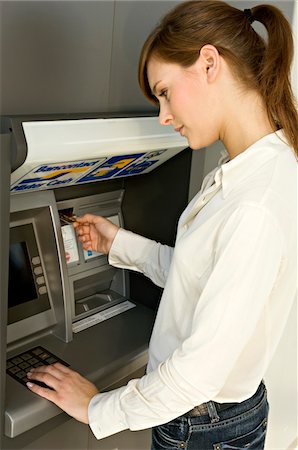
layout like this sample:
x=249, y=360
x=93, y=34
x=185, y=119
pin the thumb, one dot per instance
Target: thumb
x=88, y=218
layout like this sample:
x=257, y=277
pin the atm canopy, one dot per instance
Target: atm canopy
x=74, y=151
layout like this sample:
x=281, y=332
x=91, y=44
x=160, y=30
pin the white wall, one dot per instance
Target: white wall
x=281, y=377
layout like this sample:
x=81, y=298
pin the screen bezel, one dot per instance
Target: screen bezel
x=25, y=233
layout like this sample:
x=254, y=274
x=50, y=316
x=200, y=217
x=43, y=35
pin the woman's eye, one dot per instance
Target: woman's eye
x=164, y=94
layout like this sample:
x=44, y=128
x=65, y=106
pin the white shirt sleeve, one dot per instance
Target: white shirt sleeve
x=247, y=261
x=135, y=252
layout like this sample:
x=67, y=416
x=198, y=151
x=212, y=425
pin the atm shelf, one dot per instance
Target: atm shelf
x=104, y=353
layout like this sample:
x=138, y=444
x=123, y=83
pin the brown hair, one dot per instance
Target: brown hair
x=259, y=65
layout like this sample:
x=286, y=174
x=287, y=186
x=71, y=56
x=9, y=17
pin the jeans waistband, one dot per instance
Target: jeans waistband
x=202, y=409
x=212, y=408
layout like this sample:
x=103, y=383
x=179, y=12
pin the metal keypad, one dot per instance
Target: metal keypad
x=18, y=366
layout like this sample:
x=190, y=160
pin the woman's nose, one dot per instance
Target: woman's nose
x=165, y=117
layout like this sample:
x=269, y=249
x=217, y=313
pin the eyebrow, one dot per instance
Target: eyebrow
x=154, y=87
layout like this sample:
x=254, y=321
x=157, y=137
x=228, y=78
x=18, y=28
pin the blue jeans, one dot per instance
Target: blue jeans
x=241, y=426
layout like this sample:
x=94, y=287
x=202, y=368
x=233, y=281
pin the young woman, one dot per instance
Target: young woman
x=230, y=280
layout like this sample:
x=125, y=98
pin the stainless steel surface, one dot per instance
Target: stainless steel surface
x=104, y=353
x=5, y=169
x=39, y=209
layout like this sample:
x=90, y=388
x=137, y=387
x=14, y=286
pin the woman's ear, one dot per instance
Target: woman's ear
x=210, y=61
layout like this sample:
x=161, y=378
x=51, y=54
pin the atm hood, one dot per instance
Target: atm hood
x=75, y=151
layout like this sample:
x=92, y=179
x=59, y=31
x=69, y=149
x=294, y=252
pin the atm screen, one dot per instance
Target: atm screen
x=27, y=290
x=21, y=288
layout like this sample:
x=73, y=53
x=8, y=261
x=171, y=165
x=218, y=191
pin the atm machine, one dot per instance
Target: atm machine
x=58, y=301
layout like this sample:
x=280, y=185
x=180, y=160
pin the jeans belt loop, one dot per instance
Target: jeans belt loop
x=203, y=410
x=212, y=411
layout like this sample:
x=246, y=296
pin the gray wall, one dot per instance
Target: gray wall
x=74, y=56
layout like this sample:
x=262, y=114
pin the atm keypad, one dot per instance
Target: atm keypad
x=18, y=366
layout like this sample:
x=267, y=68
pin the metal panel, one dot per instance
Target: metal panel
x=132, y=23
x=4, y=233
x=107, y=352
x=55, y=56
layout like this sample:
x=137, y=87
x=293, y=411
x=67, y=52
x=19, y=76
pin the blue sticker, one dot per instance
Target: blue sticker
x=136, y=168
x=110, y=168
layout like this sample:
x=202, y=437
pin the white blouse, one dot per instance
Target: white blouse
x=229, y=284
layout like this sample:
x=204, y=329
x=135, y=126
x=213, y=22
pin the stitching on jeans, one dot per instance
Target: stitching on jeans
x=228, y=421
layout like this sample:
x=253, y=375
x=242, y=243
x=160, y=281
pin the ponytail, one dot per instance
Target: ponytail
x=274, y=73
x=257, y=64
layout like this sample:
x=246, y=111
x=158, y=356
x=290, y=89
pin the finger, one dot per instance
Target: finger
x=63, y=368
x=83, y=231
x=86, y=243
x=82, y=228
x=87, y=218
x=42, y=391
x=44, y=377
x=84, y=237
x=56, y=370
x=87, y=246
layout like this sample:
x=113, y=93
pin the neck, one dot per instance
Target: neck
x=246, y=121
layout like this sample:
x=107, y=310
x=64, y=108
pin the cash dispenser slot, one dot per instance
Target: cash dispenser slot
x=93, y=293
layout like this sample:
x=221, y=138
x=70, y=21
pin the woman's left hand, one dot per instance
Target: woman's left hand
x=70, y=391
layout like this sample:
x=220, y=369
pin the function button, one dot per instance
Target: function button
x=44, y=356
x=25, y=356
x=33, y=361
x=39, y=364
x=35, y=260
x=24, y=365
x=21, y=374
x=38, y=270
x=42, y=290
x=9, y=365
x=14, y=369
x=17, y=360
x=40, y=280
x=51, y=360
x=37, y=351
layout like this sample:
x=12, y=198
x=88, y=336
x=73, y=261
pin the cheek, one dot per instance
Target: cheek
x=192, y=103
x=201, y=128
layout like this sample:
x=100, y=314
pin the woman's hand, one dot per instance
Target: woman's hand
x=95, y=232
x=70, y=391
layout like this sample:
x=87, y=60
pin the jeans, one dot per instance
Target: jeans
x=241, y=426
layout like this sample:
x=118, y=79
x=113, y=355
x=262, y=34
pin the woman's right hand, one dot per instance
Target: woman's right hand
x=95, y=232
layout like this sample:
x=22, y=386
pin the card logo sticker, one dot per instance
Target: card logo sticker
x=54, y=175
x=110, y=168
x=49, y=176
x=141, y=165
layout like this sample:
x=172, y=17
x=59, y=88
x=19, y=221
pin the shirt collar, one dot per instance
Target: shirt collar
x=232, y=172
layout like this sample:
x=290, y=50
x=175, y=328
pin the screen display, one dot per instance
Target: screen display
x=21, y=287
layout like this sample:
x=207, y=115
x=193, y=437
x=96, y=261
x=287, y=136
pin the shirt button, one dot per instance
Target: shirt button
x=182, y=445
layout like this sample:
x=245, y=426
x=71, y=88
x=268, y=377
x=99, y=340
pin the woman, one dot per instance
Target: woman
x=230, y=281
